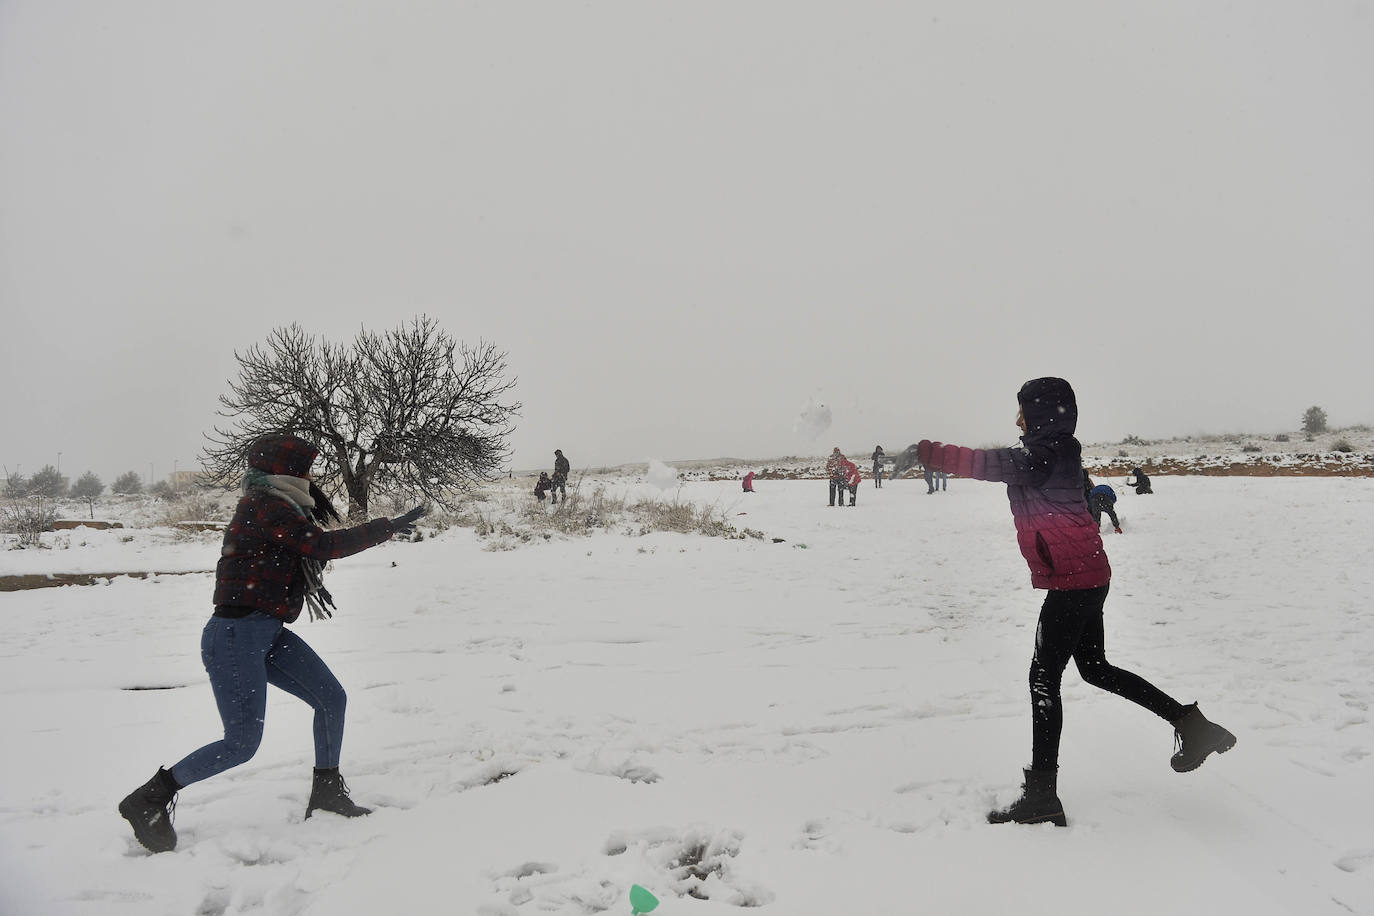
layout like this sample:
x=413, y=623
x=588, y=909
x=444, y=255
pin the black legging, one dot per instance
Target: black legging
x=1071, y=627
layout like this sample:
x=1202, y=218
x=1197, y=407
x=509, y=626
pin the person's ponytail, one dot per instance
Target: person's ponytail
x=323, y=510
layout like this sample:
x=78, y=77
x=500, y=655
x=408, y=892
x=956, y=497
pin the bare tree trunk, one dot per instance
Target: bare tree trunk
x=357, y=481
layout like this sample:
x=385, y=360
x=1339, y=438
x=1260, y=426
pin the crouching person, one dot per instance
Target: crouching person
x=270, y=567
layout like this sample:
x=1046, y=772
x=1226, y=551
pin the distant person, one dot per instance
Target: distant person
x=878, y=468
x=851, y=481
x=561, y=467
x=834, y=470
x=929, y=474
x=270, y=568
x=543, y=485
x=1102, y=498
x=749, y=482
x=941, y=480
x=1141, y=484
x=1044, y=480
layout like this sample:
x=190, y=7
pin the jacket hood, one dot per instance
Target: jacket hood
x=1049, y=406
x=281, y=453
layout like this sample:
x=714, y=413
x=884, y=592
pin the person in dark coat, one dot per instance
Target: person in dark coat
x=1062, y=547
x=561, y=467
x=542, y=485
x=1102, y=498
x=270, y=568
x=1141, y=483
x=878, y=457
x=834, y=470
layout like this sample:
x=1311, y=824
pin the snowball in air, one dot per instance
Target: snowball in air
x=660, y=475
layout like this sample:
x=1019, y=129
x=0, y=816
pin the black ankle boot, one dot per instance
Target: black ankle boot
x=148, y=809
x=1195, y=738
x=1039, y=802
x=330, y=793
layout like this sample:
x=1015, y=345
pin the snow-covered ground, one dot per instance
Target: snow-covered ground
x=813, y=726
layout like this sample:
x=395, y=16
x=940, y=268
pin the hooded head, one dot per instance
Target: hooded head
x=1049, y=406
x=282, y=453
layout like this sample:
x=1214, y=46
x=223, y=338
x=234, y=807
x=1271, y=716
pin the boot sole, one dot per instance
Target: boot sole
x=1220, y=747
x=1058, y=820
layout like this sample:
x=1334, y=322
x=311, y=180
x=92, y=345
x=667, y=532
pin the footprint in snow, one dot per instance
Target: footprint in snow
x=1356, y=861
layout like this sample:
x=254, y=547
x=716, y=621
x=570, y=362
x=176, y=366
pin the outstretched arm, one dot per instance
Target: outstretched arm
x=283, y=525
x=1022, y=466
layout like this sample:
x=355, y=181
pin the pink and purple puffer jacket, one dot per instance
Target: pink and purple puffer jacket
x=1044, y=478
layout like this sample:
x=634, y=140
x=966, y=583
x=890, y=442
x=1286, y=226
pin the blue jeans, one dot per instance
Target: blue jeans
x=242, y=656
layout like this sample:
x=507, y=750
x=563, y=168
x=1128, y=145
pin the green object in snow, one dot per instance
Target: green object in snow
x=641, y=901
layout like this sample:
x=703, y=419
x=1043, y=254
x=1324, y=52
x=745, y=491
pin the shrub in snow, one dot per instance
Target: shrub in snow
x=28, y=519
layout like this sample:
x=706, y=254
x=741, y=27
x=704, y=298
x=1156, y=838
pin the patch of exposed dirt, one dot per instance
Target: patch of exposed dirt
x=19, y=583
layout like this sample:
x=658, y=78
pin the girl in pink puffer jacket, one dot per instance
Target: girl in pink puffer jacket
x=1062, y=547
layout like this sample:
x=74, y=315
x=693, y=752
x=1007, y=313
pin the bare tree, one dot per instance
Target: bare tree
x=88, y=486
x=409, y=409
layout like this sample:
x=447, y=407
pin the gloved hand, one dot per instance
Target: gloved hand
x=405, y=524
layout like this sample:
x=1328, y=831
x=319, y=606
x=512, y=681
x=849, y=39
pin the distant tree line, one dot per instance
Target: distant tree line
x=50, y=484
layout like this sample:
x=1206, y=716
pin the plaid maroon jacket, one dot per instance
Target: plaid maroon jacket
x=259, y=564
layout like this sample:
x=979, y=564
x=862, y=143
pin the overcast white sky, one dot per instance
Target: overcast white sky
x=684, y=221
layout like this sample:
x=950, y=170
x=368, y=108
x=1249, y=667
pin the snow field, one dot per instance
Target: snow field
x=812, y=726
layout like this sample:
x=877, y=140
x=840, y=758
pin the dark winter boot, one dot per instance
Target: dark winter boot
x=148, y=809
x=330, y=793
x=1039, y=802
x=1195, y=738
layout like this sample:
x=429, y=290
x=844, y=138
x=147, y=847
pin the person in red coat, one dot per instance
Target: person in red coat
x=749, y=482
x=1062, y=547
x=851, y=481
x=270, y=568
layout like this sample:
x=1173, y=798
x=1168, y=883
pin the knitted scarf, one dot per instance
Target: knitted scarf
x=296, y=491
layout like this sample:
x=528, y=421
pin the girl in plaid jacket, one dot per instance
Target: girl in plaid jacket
x=270, y=568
